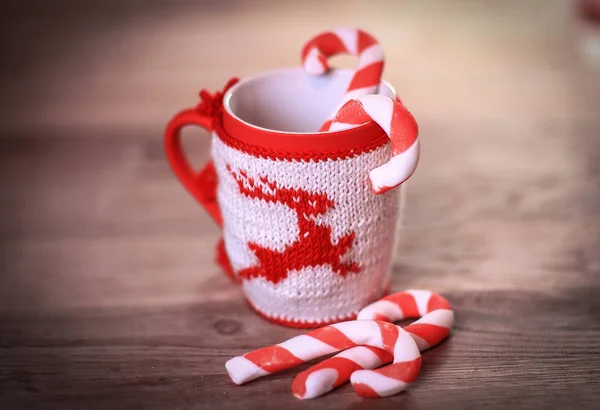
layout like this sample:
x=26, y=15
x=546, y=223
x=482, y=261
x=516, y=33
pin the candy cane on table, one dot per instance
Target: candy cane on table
x=436, y=321
x=401, y=128
x=329, y=339
x=357, y=42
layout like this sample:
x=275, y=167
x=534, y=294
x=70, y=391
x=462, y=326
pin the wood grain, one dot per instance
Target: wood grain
x=109, y=297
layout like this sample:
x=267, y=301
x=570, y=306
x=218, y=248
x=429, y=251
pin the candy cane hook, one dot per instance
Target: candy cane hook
x=399, y=125
x=356, y=42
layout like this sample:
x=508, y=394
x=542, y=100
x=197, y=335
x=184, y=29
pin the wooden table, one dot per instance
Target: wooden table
x=108, y=294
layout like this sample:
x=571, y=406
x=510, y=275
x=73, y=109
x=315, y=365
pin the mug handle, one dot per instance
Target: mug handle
x=201, y=185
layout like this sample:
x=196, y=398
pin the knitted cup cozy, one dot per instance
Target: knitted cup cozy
x=303, y=232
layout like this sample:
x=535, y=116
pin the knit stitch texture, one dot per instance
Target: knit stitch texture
x=308, y=239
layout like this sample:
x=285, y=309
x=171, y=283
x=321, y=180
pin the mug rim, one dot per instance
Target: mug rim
x=353, y=141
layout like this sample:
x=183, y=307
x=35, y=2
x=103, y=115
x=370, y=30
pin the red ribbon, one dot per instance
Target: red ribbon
x=212, y=104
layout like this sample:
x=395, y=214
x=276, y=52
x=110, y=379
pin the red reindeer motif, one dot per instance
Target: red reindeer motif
x=313, y=247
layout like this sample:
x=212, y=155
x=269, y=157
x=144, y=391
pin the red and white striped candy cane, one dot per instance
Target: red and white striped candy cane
x=401, y=128
x=353, y=41
x=436, y=322
x=329, y=339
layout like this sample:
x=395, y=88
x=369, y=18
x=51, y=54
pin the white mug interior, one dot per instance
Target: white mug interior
x=290, y=100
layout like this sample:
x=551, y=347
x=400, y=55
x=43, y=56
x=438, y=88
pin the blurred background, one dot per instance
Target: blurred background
x=507, y=94
x=108, y=289
x=99, y=66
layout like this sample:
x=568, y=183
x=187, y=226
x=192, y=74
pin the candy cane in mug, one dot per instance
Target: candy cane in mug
x=329, y=339
x=352, y=41
x=401, y=128
x=436, y=322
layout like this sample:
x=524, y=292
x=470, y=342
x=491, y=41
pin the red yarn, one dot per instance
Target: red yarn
x=306, y=155
x=211, y=105
x=223, y=260
x=313, y=247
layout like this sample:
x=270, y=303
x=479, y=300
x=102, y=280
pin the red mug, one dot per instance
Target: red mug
x=309, y=241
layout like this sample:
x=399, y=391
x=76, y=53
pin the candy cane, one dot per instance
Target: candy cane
x=340, y=336
x=436, y=321
x=367, y=77
x=398, y=124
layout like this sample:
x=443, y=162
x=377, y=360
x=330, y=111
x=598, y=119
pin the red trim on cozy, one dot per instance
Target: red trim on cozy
x=316, y=147
x=331, y=144
x=222, y=260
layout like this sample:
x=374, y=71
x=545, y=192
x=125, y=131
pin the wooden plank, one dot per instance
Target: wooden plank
x=505, y=352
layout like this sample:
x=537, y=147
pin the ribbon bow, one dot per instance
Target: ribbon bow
x=212, y=104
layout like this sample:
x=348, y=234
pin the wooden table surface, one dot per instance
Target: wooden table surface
x=108, y=294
